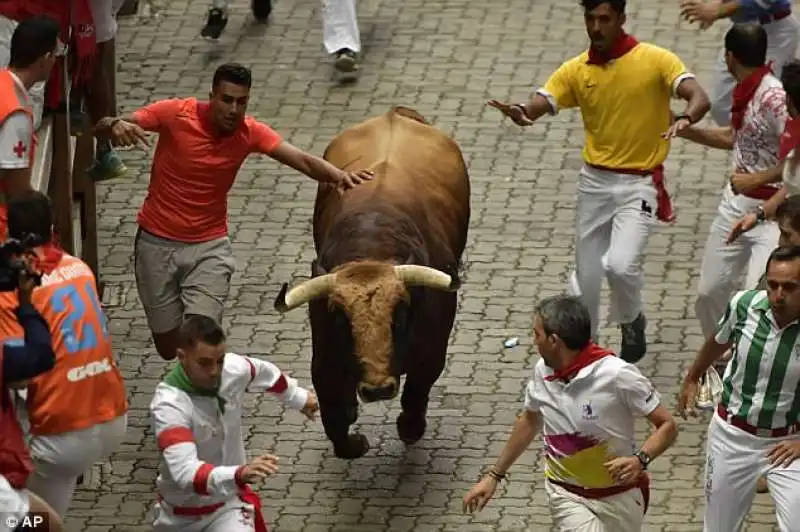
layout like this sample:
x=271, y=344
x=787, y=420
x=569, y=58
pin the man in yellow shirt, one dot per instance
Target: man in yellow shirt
x=623, y=89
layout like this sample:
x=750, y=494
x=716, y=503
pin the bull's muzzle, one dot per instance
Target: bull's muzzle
x=370, y=394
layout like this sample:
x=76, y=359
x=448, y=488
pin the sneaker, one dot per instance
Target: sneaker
x=107, y=166
x=261, y=9
x=215, y=23
x=634, y=340
x=346, y=61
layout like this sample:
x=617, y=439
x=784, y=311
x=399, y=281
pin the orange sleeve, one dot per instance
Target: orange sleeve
x=263, y=139
x=155, y=116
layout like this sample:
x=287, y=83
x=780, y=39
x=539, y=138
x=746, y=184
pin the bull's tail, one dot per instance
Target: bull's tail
x=409, y=113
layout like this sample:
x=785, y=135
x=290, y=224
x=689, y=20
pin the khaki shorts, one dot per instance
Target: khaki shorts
x=104, y=13
x=177, y=278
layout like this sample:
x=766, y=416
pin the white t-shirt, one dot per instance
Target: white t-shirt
x=16, y=134
x=590, y=419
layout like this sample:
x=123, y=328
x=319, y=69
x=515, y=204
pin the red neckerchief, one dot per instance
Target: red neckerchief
x=48, y=257
x=587, y=356
x=624, y=44
x=790, y=138
x=743, y=93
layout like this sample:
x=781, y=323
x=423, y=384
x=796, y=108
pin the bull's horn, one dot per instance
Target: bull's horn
x=416, y=275
x=304, y=292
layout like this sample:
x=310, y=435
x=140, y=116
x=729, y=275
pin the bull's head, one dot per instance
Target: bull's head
x=374, y=298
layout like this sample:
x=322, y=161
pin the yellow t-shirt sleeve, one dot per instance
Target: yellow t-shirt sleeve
x=672, y=68
x=560, y=86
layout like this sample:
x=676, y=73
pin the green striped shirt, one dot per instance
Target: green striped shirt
x=761, y=381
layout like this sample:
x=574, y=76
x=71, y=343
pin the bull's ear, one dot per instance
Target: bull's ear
x=316, y=269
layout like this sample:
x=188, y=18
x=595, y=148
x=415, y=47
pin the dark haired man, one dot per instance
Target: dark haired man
x=184, y=259
x=78, y=410
x=758, y=120
x=204, y=475
x=756, y=428
x=787, y=168
x=780, y=25
x=34, y=48
x=584, y=401
x=623, y=89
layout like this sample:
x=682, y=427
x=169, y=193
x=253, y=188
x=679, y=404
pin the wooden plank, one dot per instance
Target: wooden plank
x=43, y=158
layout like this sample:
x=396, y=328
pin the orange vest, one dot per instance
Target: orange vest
x=85, y=388
x=10, y=103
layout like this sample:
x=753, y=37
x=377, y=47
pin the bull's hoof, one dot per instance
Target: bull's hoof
x=354, y=447
x=410, y=429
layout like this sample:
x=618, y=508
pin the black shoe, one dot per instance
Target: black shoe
x=261, y=9
x=215, y=23
x=346, y=61
x=634, y=340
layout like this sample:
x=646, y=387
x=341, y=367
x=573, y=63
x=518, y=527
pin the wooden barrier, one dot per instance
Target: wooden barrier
x=59, y=168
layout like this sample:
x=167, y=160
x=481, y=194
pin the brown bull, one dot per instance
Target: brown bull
x=382, y=293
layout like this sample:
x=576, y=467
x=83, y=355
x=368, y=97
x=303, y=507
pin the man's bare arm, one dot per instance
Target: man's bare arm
x=537, y=107
x=698, y=103
x=713, y=137
x=103, y=127
x=665, y=434
x=17, y=180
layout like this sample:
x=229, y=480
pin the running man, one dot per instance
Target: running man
x=759, y=118
x=204, y=475
x=623, y=89
x=584, y=401
x=755, y=430
x=183, y=257
x=783, y=36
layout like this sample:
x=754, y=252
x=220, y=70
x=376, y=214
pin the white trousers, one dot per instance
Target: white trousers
x=618, y=513
x=723, y=264
x=340, y=26
x=14, y=504
x=783, y=36
x=734, y=462
x=614, y=218
x=104, y=13
x=235, y=516
x=59, y=459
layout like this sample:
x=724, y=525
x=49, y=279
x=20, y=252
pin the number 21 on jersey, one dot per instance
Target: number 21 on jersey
x=79, y=330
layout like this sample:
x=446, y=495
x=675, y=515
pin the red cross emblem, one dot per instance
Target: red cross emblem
x=20, y=149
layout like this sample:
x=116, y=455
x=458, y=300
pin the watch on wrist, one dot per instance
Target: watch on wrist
x=760, y=214
x=643, y=457
x=686, y=117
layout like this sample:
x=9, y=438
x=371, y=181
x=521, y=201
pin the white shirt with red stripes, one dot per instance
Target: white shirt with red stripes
x=202, y=450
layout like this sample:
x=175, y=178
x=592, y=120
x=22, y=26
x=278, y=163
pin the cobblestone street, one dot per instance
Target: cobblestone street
x=444, y=58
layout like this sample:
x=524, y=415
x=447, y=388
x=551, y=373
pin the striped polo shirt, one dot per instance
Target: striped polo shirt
x=761, y=381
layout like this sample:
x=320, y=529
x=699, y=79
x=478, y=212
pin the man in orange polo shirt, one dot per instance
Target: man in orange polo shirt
x=78, y=410
x=184, y=258
x=623, y=89
x=34, y=49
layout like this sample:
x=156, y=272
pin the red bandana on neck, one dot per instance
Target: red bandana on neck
x=48, y=257
x=587, y=356
x=743, y=93
x=624, y=44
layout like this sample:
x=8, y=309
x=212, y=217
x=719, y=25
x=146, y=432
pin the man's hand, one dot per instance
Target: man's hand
x=311, y=407
x=514, y=112
x=624, y=470
x=26, y=285
x=260, y=468
x=480, y=494
x=687, y=397
x=747, y=222
x=706, y=13
x=676, y=129
x=784, y=453
x=741, y=182
x=348, y=180
x=125, y=133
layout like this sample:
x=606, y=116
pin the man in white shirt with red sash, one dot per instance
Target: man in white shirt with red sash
x=585, y=401
x=204, y=475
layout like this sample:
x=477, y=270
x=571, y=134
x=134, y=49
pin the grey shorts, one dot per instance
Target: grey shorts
x=177, y=278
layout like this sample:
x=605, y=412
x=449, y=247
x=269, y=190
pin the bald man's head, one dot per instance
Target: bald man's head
x=747, y=43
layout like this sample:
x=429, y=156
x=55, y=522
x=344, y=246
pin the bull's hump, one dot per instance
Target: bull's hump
x=408, y=113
